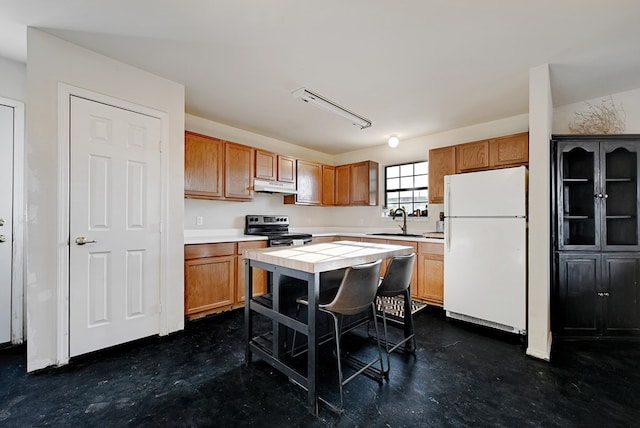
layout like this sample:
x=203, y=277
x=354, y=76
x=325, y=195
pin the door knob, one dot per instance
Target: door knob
x=3, y=238
x=81, y=240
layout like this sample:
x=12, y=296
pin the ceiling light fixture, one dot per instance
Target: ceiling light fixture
x=328, y=105
x=393, y=141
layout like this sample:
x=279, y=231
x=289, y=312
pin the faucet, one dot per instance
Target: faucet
x=404, y=218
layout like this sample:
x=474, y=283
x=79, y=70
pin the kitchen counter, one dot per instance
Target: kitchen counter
x=210, y=236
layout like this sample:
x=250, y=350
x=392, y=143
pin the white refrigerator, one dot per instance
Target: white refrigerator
x=485, y=254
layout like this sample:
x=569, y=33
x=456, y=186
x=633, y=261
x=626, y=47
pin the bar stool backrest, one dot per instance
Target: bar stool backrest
x=398, y=275
x=357, y=289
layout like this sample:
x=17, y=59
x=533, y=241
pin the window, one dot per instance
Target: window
x=407, y=186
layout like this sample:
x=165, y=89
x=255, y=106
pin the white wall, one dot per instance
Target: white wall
x=540, y=114
x=13, y=80
x=224, y=215
x=50, y=61
x=628, y=101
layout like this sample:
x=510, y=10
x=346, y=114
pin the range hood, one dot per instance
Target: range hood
x=267, y=186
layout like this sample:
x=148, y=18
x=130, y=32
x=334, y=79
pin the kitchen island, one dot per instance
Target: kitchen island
x=305, y=263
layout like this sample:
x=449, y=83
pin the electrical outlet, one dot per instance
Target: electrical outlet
x=199, y=220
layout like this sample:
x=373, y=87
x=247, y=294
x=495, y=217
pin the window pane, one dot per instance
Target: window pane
x=393, y=171
x=421, y=168
x=421, y=197
x=393, y=183
x=393, y=199
x=406, y=197
x=422, y=181
x=406, y=170
x=406, y=182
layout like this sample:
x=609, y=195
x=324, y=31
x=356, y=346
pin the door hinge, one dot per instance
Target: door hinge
x=159, y=308
x=161, y=145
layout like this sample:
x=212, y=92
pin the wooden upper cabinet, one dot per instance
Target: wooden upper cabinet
x=510, y=150
x=357, y=184
x=343, y=185
x=328, y=185
x=364, y=183
x=286, y=169
x=266, y=164
x=203, y=166
x=309, y=183
x=270, y=166
x=472, y=156
x=238, y=171
x=442, y=161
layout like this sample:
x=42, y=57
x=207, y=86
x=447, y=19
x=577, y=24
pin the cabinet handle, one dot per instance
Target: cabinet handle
x=603, y=294
x=598, y=195
x=606, y=196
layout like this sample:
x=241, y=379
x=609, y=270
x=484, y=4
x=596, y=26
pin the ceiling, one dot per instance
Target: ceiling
x=412, y=67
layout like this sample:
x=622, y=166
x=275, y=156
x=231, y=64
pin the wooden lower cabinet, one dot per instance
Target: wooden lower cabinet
x=324, y=239
x=214, y=277
x=430, y=273
x=210, y=277
x=259, y=275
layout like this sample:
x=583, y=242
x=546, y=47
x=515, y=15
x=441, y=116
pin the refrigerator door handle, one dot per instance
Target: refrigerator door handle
x=447, y=234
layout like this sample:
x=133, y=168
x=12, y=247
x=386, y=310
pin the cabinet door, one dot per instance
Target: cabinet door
x=472, y=156
x=238, y=171
x=431, y=273
x=620, y=294
x=343, y=184
x=259, y=275
x=442, y=162
x=203, y=166
x=328, y=185
x=210, y=283
x=309, y=183
x=266, y=164
x=579, y=308
x=364, y=183
x=286, y=169
x=619, y=194
x=510, y=150
x=578, y=206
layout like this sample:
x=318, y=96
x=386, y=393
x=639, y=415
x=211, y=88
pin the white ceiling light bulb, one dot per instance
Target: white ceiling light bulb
x=393, y=141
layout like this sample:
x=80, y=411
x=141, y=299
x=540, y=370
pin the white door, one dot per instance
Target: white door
x=114, y=216
x=6, y=216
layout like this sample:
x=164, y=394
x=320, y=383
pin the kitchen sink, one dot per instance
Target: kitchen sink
x=407, y=235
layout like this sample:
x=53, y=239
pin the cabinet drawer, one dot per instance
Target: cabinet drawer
x=250, y=245
x=431, y=248
x=197, y=251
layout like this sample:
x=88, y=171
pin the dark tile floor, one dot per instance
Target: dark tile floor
x=461, y=376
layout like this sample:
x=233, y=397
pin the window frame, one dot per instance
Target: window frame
x=413, y=202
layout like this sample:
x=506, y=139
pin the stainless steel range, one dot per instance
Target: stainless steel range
x=276, y=228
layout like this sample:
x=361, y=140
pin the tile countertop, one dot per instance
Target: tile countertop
x=210, y=236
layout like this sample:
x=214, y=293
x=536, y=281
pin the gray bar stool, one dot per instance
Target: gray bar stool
x=396, y=282
x=356, y=294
